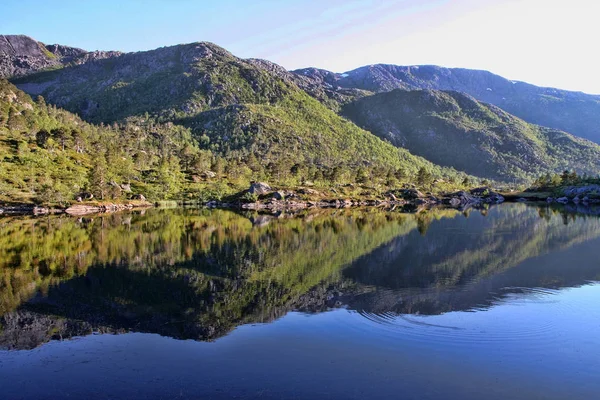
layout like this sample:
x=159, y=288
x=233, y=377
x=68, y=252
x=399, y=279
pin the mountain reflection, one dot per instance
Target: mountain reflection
x=198, y=273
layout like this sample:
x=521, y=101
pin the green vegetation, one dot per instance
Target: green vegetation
x=188, y=122
x=194, y=122
x=555, y=184
x=454, y=130
x=574, y=112
x=48, y=155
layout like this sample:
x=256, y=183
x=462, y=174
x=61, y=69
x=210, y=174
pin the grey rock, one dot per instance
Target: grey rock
x=21, y=55
x=259, y=188
x=279, y=195
x=581, y=190
x=411, y=194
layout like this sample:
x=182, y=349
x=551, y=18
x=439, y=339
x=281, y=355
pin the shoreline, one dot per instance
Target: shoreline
x=273, y=201
x=73, y=210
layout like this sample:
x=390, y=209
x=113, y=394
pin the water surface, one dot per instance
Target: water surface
x=439, y=304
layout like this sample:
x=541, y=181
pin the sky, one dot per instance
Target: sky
x=544, y=42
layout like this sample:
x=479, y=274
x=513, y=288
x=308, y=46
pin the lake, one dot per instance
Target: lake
x=500, y=303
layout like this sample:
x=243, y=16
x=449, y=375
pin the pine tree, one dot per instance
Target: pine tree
x=98, y=177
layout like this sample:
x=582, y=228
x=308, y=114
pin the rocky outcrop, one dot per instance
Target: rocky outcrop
x=259, y=188
x=21, y=55
x=487, y=195
x=475, y=197
x=574, y=191
x=83, y=209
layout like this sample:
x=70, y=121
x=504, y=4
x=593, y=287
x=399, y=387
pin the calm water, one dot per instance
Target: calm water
x=337, y=304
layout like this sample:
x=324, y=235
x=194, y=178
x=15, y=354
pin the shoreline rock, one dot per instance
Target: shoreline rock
x=75, y=209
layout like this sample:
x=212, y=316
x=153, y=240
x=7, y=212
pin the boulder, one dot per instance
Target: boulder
x=139, y=197
x=562, y=200
x=411, y=194
x=80, y=209
x=279, y=195
x=481, y=191
x=309, y=192
x=84, y=196
x=487, y=194
x=462, y=199
x=259, y=188
x=581, y=190
x=126, y=187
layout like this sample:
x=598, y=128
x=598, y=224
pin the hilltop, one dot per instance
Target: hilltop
x=251, y=120
x=574, y=112
x=21, y=55
x=237, y=109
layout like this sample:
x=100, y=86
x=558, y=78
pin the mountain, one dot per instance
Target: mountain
x=243, y=110
x=48, y=155
x=270, y=123
x=453, y=129
x=574, y=112
x=21, y=55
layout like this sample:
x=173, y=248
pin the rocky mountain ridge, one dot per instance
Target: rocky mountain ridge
x=21, y=55
x=245, y=108
x=574, y=112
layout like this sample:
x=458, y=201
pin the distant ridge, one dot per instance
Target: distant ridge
x=574, y=112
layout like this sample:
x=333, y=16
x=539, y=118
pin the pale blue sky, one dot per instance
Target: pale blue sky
x=545, y=42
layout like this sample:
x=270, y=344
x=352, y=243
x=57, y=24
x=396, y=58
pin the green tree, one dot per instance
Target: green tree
x=424, y=177
x=98, y=177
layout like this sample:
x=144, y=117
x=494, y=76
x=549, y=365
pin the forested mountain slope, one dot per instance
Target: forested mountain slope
x=454, y=129
x=574, y=112
x=235, y=108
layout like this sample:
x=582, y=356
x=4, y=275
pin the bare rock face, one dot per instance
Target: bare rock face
x=259, y=188
x=21, y=55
